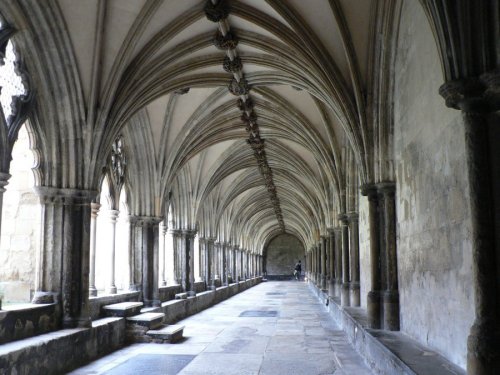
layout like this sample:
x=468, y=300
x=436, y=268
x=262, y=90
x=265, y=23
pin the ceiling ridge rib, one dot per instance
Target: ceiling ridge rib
x=217, y=11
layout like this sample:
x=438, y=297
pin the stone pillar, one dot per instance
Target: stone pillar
x=63, y=258
x=113, y=216
x=374, y=306
x=345, y=294
x=93, y=229
x=479, y=101
x=331, y=258
x=322, y=247
x=187, y=261
x=163, y=260
x=176, y=249
x=209, y=269
x=203, y=258
x=216, y=260
x=147, y=236
x=131, y=253
x=338, y=263
x=4, y=181
x=355, y=297
x=391, y=294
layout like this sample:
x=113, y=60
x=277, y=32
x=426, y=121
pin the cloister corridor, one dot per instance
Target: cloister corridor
x=273, y=328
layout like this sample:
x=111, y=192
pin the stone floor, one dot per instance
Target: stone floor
x=274, y=328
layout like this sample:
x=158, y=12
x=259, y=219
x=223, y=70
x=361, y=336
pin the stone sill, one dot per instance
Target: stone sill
x=25, y=307
x=110, y=297
x=386, y=352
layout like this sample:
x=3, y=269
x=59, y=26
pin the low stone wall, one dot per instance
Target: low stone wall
x=385, y=352
x=26, y=321
x=61, y=351
x=64, y=350
x=168, y=293
x=97, y=303
x=176, y=310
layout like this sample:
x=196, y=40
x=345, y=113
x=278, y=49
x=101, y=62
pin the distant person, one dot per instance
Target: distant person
x=297, y=270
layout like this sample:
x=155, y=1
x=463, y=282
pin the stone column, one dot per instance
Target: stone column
x=93, y=229
x=203, y=258
x=331, y=258
x=216, y=260
x=63, y=258
x=163, y=260
x=147, y=236
x=4, y=181
x=209, y=270
x=113, y=216
x=322, y=247
x=479, y=101
x=176, y=248
x=374, y=305
x=236, y=264
x=391, y=294
x=131, y=253
x=355, y=297
x=345, y=294
x=338, y=263
x=187, y=261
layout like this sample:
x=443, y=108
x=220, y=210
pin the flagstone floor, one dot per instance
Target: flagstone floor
x=277, y=328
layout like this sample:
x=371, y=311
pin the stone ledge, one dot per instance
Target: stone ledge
x=123, y=309
x=171, y=333
x=386, y=352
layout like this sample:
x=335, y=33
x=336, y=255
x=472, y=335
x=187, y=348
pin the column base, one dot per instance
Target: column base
x=191, y=293
x=69, y=322
x=92, y=292
x=391, y=310
x=338, y=288
x=373, y=307
x=355, y=294
x=112, y=290
x=323, y=282
x=483, y=357
x=43, y=297
x=331, y=288
x=163, y=283
x=344, y=295
x=152, y=303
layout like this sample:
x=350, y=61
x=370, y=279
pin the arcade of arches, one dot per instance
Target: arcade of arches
x=153, y=150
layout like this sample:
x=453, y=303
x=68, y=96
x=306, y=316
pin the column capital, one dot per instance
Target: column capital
x=386, y=188
x=343, y=218
x=142, y=221
x=174, y=232
x=95, y=209
x=331, y=231
x=189, y=232
x=4, y=181
x=55, y=195
x=474, y=94
x=353, y=216
x=113, y=215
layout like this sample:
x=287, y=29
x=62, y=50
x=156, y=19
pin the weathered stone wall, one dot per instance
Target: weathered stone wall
x=433, y=226
x=20, y=226
x=364, y=250
x=282, y=253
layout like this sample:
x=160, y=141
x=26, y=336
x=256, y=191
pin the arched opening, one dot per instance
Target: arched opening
x=122, y=253
x=281, y=255
x=103, y=239
x=169, y=250
x=20, y=225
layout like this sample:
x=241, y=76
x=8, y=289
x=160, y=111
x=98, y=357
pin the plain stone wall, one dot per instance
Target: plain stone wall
x=282, y=253
x=433, y=226
x=364, y=250
x=20, y=226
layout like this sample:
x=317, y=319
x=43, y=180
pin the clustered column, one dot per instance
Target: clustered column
x=93, y=230
x=352, y=218
x=63, y=259
x=331, y=262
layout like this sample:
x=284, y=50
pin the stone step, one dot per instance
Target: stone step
x=170, y=333
x=123, y=309
x=148, y=320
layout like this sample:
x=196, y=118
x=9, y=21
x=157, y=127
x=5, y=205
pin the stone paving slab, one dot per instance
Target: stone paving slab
x=301, y=338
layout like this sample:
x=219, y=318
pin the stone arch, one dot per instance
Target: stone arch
x=281, y=254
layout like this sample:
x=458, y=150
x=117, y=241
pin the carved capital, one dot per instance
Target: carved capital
x=464, y=94
x=387, y=189
x=143, y=221
x=4, y=181
x=52, y=195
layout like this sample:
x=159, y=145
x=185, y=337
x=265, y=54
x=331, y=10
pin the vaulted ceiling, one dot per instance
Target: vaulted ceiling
x=149, y=69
